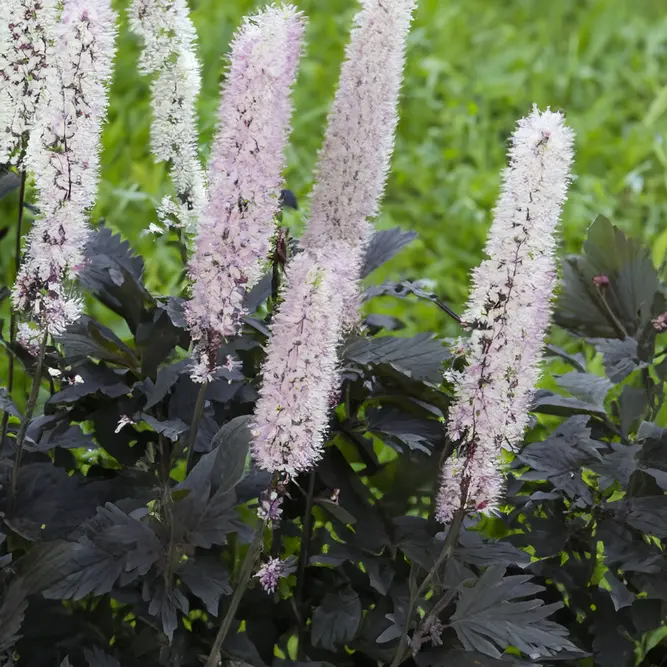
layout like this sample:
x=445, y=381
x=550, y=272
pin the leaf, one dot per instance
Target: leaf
x=420, y=357
x=560, y=458
x=589, y=388
x=383, y=246
x=577, y=361
x=156, y=337
x=112, y=545
x=492, y=615
x=448, y=657
x=208, y=579
x=477, y=550
x=258, y=294
x=403, y=428
x=171, y=429
x=633, y=284
x=588, y=394
x=166, y=379
x=97, y=658
x=616, y=465
x=336, y=620
x=88, y=338
x=624, y=549
x=7, y=405
x=9, y=181
x=405, y=289
x=113, y=274
x=620, y=357
x=224, y=466
x=648, y=514
x=652, y=457
x=95, y=378
x=12, y=612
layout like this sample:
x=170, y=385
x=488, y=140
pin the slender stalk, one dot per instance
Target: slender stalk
x=12, y=314
x=30, y=408
x=611, y=317
x=303, y=560
x=213, y=659
x=167, y=508
x=194, y=427
x=447, y=550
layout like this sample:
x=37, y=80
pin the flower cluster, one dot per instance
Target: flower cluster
x=299, y=372
x=245, y=177
x=508, y=314
x=273, y=571
x=359, y=141
x=63, y=154
x=169, y=53
x=26, y=44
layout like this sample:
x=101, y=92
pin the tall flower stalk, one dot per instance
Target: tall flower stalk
x=300, y=371
x=169, y=53
x=26, y=52
x=245, y=177
x=63, y=155
x=508, y=314
x=321, y=298
x=355, y=157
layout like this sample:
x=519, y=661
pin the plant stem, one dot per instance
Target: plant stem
x=30, y=408
x=194, y=427
x=167, y=509
x=447, y=549
x=213, y=659
x=303, y=559
x=12, y=314
x=611, y=317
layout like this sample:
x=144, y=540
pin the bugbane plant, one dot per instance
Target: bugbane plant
x=245, y=177
x=63, y=155
x=26, y=53
x=359, y=141
x=508, y=314
x=169, y=54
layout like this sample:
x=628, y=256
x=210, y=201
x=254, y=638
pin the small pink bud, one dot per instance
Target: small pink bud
x=660, y=322
x=601, y=281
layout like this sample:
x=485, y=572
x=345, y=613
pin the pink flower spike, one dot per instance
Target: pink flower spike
x=299, y=372
x=245, y=176
x=508, y=312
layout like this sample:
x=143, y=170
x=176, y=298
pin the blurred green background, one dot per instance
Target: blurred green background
x=474, y=67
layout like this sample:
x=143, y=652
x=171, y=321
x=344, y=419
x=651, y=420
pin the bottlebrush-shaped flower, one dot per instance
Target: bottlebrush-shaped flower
x=354, y=160
x=63, y=154
x=245, y=177
x=271, y=572
x=299, y=372
x=508, y=314
x=169, y=53
x=26, y=50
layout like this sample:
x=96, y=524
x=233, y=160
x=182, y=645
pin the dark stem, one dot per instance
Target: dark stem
x=194, y=427
x=447, y=550
x=30, y=408
x=12, y=315
x=167, y=509
x=213, y=659
x=611, y=317
x=303, y=560
x=444, y=307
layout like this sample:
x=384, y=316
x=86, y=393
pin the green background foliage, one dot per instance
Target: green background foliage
x=474, y=67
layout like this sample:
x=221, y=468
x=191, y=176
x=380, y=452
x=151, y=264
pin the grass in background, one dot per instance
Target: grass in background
x=474, y=67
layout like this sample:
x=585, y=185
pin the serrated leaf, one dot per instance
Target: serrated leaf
x=620, y=357
x=633, y=284
x=208, y=579
x=420, y=357
x=12, y=612
x=648, y=514
x=384, y=245
x=401, y=427
x=224, y=466
x=113, y=274
x=494, y=615
x=166, y=604
x=336, y=620
x=171, y=429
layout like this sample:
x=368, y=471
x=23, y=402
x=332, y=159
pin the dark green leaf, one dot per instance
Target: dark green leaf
x=383, y=246
x=336, y=620
x=420, y=357
x=493, y=615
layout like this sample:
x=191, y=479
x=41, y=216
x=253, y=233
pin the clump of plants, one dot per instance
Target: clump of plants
x=257, y=473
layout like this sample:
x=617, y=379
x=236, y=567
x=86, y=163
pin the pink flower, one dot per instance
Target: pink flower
x=508, y=312
x=273, y=571
x=245, y=177
x=359, y=141
x=299, y=372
